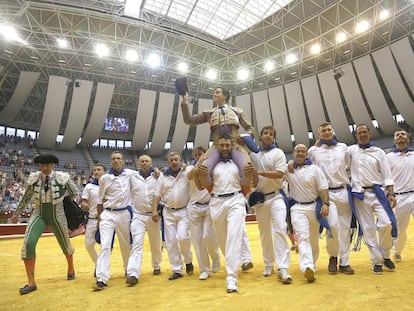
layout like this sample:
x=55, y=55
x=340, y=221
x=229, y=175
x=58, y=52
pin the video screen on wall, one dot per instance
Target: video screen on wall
x=114, y=124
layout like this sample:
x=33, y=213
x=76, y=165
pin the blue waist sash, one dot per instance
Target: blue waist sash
x=382, y=198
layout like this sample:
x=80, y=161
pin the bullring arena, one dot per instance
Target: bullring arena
x=83, y=78
x=390, y=291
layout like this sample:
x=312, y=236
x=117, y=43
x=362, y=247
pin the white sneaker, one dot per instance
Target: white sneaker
x=397, y=258
x=284, y=276
x=268, y=271
x=231, y=286
x=203, y=276
x=216, y=267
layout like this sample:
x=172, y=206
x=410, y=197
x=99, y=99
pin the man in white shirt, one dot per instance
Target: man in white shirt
x=270, y=163
x=309, y=189
x=143, y=186
x=173, y=189
x=228, y=208
x=401, y=161
x=332, y=157
x=114, y=214
x=371, y=174
x=201, y=230
x=89, y=203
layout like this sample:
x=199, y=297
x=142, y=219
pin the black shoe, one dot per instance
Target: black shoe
x=175, y=276
x=100, y=285
x=189, y=268
x=377, y=269
x=27, y=289
x=70, y=276
x=247, y=266
x=333, y=265
x=156, y=272
x=132, y=280
x=389, y=264
x=346, y=269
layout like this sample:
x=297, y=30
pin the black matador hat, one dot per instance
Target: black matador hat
x=181, y=86
x=46, y=158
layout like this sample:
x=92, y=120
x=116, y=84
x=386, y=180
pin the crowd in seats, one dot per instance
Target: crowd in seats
x=16, y=151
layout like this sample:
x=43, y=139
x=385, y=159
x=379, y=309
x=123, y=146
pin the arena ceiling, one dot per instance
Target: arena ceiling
x=293, y=28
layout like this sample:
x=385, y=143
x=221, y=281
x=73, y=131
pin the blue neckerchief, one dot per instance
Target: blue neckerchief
x=333, y=142
x=270, y=147
x=169, y=171
x=307, y=162
x=146, y=175
x=394, y=149
x=225, y=160
x=370, y=144
x=94, y=182
x=113, y=172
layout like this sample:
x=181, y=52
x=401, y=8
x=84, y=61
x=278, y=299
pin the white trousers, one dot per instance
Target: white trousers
x=228, y=217
x=203, y=236
x=306, y=227
x=141, y=223
x=177, y=238
x=372, y=217
x=246, y=253
x=271, y=218
x=118, y=221
x=90, y=243
x=403, y=210
x=339, y=218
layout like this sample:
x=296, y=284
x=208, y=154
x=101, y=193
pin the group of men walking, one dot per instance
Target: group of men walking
x=330, y=186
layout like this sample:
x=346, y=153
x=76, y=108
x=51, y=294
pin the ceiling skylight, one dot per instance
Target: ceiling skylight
x=220, y=18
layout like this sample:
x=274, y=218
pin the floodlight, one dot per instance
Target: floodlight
x=243, y=74
x=62, y=43
x=101, y=50
x=131, y=55
x=315, y=49
x=384, y=14
x=212, y=74
x=291, y=58
x=269, y=66
x=361, y=27
x=182, y=67
x=153, y=60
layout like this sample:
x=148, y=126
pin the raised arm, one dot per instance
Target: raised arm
x=188, y=117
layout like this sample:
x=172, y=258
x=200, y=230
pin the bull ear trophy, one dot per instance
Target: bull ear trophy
x=181, y=86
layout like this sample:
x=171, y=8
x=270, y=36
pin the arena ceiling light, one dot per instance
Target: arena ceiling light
x=243, y=74
x=212, y=74
x=62, y=43
x=153, y=60
x=10, y=34
x=384, y=14
x=341, y=37
x=220, y=18
x=131, y=55
x=361, y=27
x=182, y=67
x=101, y=50
x=291, y=58
x=315, y=49
x=269, y=66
